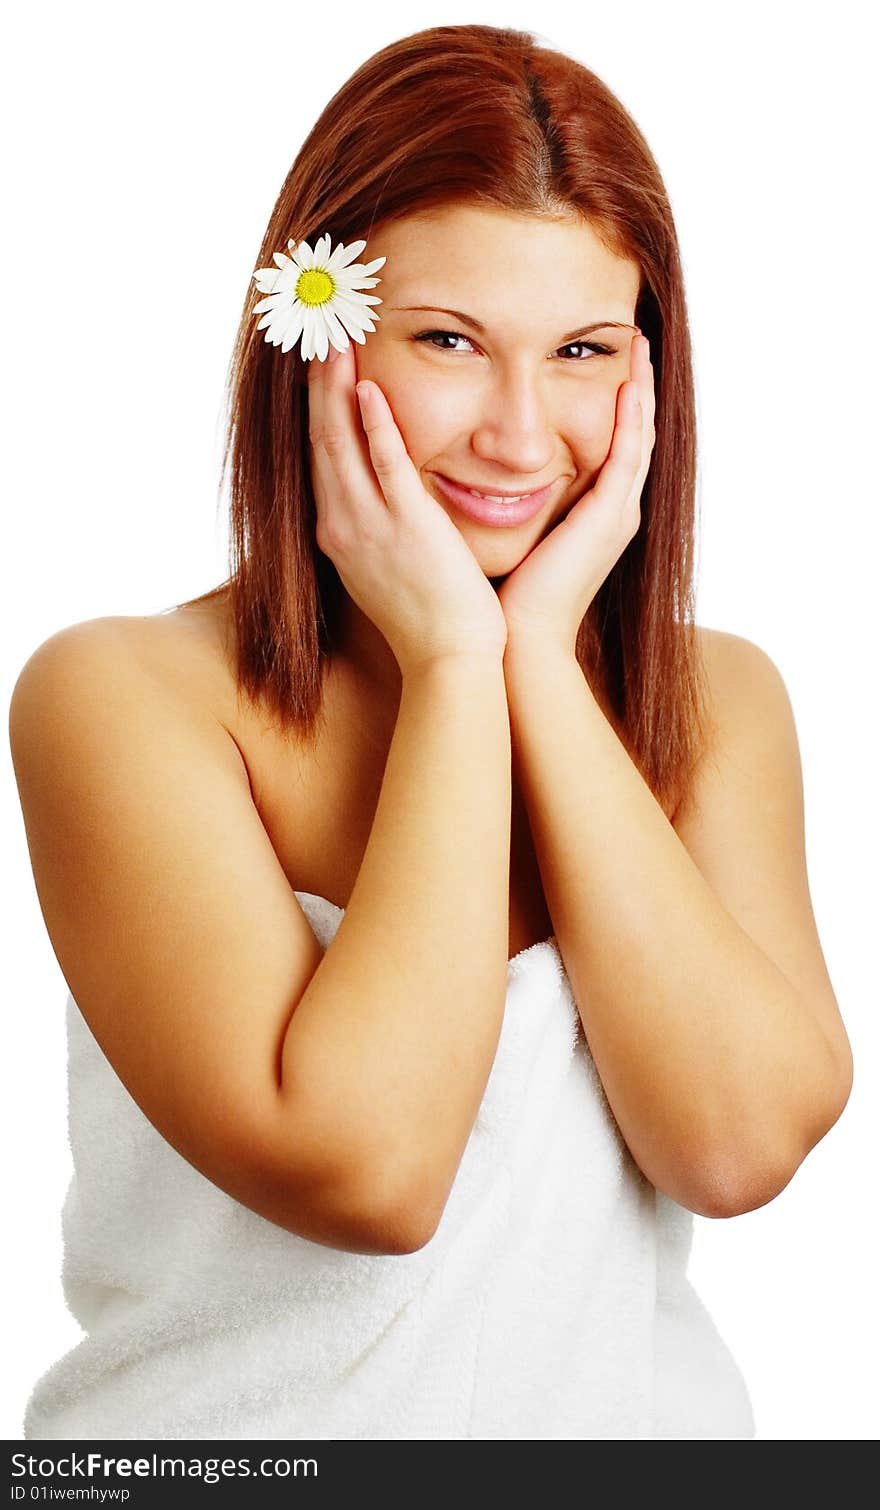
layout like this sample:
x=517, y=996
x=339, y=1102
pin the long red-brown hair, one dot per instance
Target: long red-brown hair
x=486, y=116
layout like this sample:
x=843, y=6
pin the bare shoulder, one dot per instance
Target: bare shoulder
x=87, y=689
x=749, y=753
x=184, y=653
x=747, y=701
x=732, y=661
x=89, y=679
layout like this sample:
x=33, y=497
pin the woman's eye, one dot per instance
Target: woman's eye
x=433, y=335
x=592, y=347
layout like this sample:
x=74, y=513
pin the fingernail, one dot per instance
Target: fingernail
x=333, y=353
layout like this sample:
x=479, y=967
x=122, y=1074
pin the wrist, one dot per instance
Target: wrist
x=455, y=665
x=535, y=651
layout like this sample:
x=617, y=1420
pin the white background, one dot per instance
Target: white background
x=145, y=148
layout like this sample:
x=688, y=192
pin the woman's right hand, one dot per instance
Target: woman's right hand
x=397, y=552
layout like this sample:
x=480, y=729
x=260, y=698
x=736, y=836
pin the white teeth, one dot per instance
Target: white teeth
x=494, y=498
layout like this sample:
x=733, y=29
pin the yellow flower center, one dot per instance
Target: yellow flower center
x=314, y=287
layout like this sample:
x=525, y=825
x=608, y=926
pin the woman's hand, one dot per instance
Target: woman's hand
x=545, y=598
x=398, y=554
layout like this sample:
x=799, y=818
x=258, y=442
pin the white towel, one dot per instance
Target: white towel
x=552, y=1301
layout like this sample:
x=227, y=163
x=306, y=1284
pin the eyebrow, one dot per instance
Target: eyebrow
x=582, y=330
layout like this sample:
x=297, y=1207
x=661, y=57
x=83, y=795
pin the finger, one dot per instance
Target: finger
x=642, y=372
x=620, y=472
x=390, y=459
x=323, y=413
x=325, y=485
x=340, y=454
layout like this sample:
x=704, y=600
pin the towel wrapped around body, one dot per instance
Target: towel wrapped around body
x=552, y=1301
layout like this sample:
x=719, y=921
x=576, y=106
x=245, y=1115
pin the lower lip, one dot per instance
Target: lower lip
x=501, y=515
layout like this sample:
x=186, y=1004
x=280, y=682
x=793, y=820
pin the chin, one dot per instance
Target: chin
x=495, y=571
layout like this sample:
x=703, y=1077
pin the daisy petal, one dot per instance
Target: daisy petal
x=309, y=332
x=288, y=279
x=334, y=260
x=293, y=330
x=353, y=302
x=348, y=320
x=335, y=328
x=351, y=327
x=354, y=285
x=350, y=252
x=323, y=344
x=356, y=297
x=347, y=278
x=266, y=279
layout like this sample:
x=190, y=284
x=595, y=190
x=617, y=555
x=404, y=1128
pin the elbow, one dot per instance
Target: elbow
x=395, y=1229
x=737, y=1181
x=355, y=1216
x=396, y=1196
x=396, y=1232
x=349, y=1190
x=726, y=1196
x=719, y=1185
x=406, y=1208
x=842, y=1081
x=392, y=1214
x=725, y=1182
x=741, y=1185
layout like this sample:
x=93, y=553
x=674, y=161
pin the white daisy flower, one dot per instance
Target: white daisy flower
x=315, y=297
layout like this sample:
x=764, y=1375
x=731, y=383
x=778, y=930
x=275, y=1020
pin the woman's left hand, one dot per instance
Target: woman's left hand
x=545, y=598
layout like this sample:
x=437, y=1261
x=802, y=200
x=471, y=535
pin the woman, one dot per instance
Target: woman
x=432, y=894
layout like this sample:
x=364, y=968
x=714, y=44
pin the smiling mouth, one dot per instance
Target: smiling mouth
x=494, y=497
x=494, y=510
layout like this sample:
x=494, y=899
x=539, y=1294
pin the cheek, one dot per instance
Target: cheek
x=428, y=414
x=589, y=426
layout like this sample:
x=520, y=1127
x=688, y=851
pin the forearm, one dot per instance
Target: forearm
x=392, y=1042
x=710, y=1065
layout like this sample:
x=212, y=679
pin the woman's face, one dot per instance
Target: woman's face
x=520, y=403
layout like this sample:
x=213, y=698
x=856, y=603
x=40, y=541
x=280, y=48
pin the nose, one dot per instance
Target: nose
x=512, y=426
